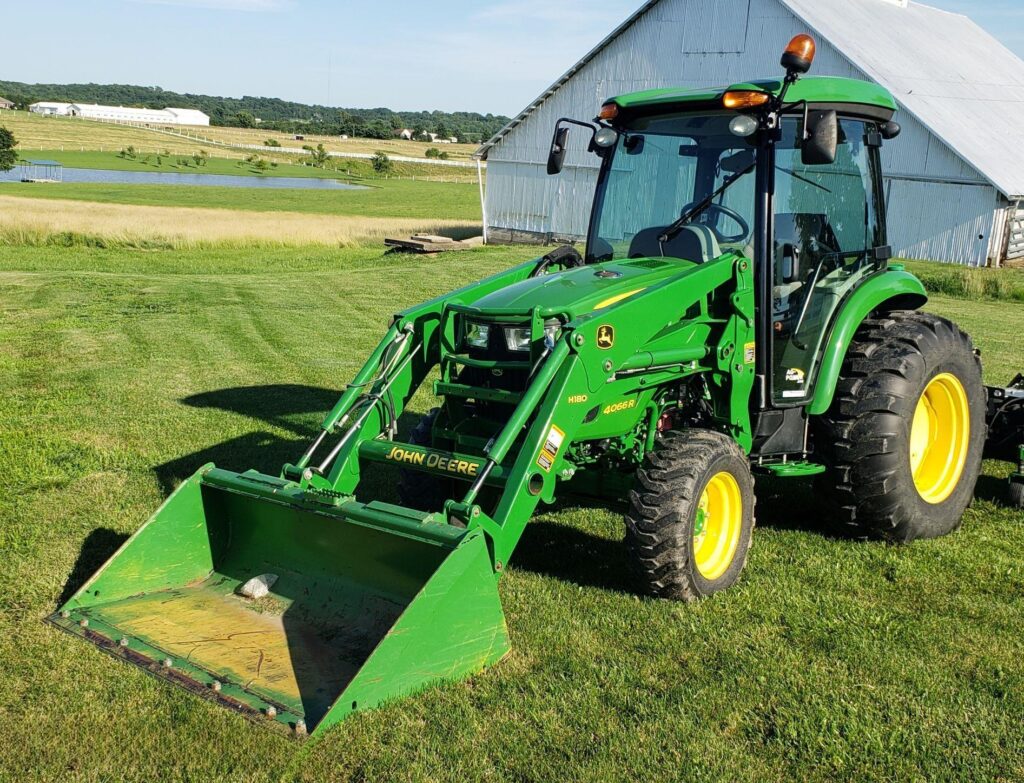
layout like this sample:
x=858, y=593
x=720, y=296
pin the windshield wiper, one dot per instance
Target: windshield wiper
x=677, y=226
x=811, y=182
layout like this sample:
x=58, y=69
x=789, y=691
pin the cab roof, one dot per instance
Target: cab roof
x=831, y=91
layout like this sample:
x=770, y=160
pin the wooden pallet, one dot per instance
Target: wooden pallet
x=430, y=243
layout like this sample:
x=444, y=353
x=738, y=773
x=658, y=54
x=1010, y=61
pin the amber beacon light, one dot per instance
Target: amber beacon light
x=744, y=99
x=799, y=55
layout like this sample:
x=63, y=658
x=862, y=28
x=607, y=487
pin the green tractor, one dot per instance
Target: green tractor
x=735, y=312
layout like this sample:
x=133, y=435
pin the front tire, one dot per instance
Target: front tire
x=691, y=518
x=904, y=437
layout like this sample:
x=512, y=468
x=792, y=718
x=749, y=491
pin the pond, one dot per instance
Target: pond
x=105, y=177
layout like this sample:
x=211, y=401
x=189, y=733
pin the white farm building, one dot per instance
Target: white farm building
x=955, y=177
x=124, y=114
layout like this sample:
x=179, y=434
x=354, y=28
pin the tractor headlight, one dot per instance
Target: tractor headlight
x=477, y=335
x=517, y=338
x=552, y=331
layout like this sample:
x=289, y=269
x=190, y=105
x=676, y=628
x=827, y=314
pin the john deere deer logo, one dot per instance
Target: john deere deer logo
x=605, y=337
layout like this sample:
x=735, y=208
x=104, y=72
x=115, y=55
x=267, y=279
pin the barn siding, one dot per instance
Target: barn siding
x=698, y=43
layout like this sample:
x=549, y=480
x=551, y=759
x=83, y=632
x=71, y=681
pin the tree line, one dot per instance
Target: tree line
x=270, y=113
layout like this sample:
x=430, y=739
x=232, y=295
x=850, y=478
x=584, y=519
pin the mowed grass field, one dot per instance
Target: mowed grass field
x=411, y=149
x=36, y=132
x=831, y=660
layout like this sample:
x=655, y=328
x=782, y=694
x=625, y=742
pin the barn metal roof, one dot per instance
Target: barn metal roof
x=959, y=81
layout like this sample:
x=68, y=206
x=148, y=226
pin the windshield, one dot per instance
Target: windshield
x=661, y=169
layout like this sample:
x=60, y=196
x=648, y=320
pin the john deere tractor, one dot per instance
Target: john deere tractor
x=734, y=313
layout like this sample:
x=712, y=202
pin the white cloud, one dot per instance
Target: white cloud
x=224, y=5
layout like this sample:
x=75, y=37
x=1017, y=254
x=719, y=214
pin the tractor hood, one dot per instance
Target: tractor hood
x=586, y=288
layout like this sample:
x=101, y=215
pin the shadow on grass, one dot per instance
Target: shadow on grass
x=994, y=490
x=572, y=555
x=792, y=504
x=98, y=547
x=287, y=405
x=293, y=407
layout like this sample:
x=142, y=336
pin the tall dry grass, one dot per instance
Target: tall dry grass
x=35, y=222
x=964, y=282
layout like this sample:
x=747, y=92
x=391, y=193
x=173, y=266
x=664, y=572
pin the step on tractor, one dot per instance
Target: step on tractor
x=735, y=312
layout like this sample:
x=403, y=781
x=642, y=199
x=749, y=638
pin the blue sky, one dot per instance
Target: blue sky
x=487, y=56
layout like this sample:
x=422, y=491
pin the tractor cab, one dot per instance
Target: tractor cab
x=784, y=172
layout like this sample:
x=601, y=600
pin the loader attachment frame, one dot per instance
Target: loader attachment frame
x=372, y=601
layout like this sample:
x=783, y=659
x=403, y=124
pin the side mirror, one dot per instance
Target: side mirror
x=556, y=158
x=821, y=138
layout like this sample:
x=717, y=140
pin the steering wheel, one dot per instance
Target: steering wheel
x=728, y=212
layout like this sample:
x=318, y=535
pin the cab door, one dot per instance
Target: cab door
x=829, y=236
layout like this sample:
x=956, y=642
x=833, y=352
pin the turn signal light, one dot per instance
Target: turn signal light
x=609, y=111
x=745, y=99
x=799, y=55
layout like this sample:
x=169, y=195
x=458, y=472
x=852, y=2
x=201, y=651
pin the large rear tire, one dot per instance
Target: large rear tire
x=904, y=436
x=691, y=517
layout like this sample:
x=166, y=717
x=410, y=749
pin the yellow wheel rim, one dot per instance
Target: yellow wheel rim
x=939, y=438
x=718, y=525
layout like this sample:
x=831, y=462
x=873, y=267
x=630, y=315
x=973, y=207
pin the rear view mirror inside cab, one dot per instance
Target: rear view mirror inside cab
x=740, y=161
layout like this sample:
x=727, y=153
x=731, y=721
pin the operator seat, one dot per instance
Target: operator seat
x=799, y=230
x=695, y=243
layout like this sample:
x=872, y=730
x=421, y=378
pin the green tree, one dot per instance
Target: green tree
x=272, y=143
x=433, y=152
x=319, y=156
x=381, y=163
x=245, y=119
x=8, y=157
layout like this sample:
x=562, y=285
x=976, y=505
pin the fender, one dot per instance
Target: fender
x=891, y=290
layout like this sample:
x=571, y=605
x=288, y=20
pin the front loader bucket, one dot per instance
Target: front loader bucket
x=371, y=601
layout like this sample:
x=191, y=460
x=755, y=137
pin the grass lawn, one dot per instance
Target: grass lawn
x=382, y=198
x=832, y=660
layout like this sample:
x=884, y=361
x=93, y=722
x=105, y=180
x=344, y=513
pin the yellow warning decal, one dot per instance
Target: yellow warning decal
x=749, y=353
x=549, y=452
